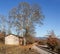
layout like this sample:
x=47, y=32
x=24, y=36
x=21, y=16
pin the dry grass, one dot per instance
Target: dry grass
x=9, y=49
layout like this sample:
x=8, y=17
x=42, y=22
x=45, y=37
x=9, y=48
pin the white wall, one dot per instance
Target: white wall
x=11, y=40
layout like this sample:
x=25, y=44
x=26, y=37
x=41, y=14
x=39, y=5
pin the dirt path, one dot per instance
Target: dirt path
x=41, y=51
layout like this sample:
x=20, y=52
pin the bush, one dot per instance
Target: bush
x=41, y=43
x=52, y=43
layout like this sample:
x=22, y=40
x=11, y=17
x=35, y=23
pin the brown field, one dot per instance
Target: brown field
x=11, y=49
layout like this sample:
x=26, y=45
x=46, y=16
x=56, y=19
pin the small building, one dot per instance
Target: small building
x=14, y=40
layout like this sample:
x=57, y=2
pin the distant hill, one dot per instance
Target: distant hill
x=40, y=38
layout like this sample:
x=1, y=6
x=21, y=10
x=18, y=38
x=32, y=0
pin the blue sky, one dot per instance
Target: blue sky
x=50, y=8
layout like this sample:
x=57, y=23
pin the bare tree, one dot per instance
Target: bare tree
x=26, y=16
x=3, y=23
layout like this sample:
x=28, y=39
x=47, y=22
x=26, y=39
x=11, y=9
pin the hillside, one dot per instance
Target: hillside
x=17, y=50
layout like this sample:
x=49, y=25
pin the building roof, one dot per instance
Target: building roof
x=15, y=35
